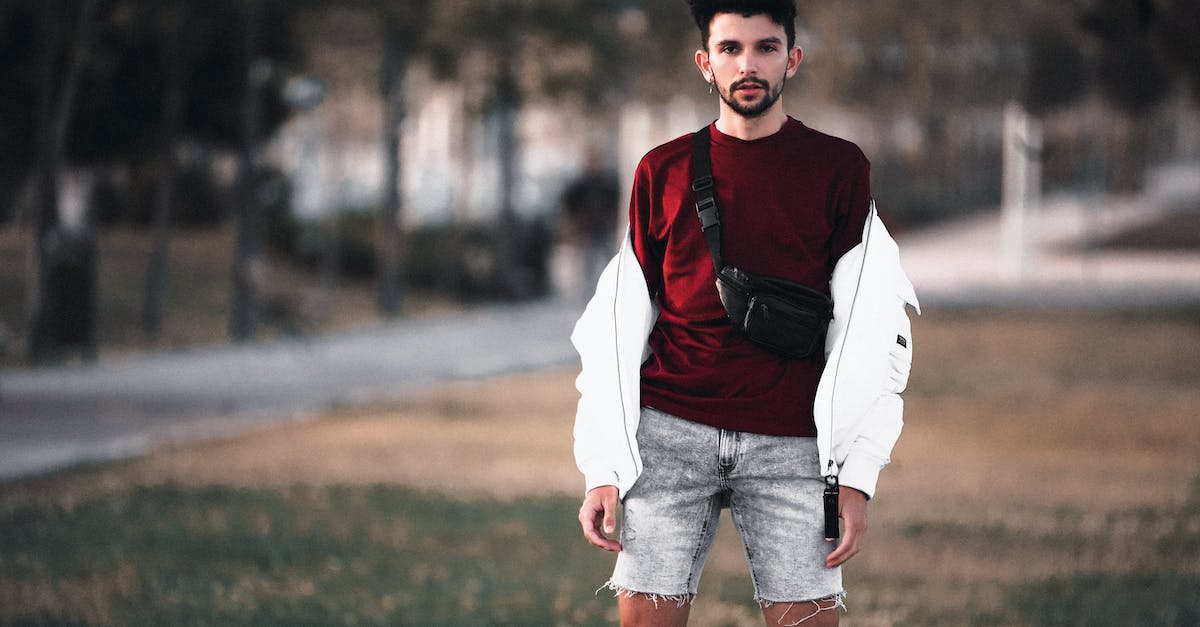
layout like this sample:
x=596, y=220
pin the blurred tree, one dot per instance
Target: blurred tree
x=1058, y=73
x=121, y=112
x=512, y=53
x=1146, y=48
x=174, y=75
x=1131, y=68
x=404, y=27
x=63, y=303
x=174, y=16
x=19, y=28
x=247, y=263
x=96, y=82
x=923, y=84
x=506, y=54
x=1176, y=29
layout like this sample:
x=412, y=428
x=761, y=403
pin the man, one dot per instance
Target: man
x=680, y=414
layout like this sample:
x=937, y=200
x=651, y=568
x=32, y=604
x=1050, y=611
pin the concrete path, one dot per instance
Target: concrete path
x=58, y=417
x=975, y=261
x=984, y=260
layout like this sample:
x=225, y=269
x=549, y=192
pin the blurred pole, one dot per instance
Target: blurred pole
x=509, y=24
x=627, y=148
x=156, y=272
x=391, y=234
x=508, y=103
x=310, y=197
x=1093, y=177
x=1021, y=191
x=247, y=265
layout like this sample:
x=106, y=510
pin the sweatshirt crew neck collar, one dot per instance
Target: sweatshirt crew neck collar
x=790, y=125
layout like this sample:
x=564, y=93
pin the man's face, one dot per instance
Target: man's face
x=749, y=61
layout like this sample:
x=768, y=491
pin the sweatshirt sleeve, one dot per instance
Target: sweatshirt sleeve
x=850, y=202
x=647, y=250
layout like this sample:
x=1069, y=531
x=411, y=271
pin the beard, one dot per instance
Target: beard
x=753, y=109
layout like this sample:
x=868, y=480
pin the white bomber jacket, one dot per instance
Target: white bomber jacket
x=858, y=410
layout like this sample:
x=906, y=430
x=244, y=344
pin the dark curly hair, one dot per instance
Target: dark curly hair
x=782, y=12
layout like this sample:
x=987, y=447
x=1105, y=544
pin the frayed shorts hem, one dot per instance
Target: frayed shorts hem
x=807, y=609
x=838, y=599
x=679, y=600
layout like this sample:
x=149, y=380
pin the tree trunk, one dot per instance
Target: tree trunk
x=45, y=203
x=247, y=265
x=156, y=272
x=391, y=283
x=55, y=106
x=4, y=5
x=1128, y=150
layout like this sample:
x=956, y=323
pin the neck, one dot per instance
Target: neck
x=733, y=124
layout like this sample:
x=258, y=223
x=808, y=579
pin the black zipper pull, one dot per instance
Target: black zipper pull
x=832, y=529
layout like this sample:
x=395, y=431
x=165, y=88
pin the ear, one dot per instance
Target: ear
x=702, y=62
x=795, y=55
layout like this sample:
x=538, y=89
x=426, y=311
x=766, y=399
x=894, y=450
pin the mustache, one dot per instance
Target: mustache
x=749, y=80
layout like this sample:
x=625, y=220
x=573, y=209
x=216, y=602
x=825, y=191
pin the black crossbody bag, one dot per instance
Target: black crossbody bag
x=785, y=317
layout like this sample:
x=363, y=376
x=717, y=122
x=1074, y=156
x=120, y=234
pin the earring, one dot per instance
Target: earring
x=711, y=83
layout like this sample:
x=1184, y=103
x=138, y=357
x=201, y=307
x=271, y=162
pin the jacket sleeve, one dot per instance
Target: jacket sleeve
x=611, y=339
x=869, y=361
x=870, y=450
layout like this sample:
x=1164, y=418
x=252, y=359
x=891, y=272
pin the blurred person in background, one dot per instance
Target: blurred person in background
x=590, y=210
x=685, y=407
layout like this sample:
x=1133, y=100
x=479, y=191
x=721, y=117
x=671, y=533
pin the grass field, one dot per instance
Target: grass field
x=1049, y=474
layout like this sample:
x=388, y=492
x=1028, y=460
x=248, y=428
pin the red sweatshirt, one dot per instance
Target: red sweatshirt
x=791, y=205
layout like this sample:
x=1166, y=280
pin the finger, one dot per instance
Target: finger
x=849, y=546
x=844, y=551
x=598, y=539
x=610, y=514
x=590, y=521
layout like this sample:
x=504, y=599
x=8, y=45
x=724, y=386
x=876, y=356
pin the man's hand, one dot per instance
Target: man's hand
x=600, y=508
x=852, y=509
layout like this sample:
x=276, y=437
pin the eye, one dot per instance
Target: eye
x=769, y=48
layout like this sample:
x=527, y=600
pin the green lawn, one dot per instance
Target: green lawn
x=378, y=555
x=382, y=555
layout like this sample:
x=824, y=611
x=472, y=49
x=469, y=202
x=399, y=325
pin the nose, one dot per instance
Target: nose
x=748, y=65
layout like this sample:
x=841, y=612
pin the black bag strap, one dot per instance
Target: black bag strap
x=706, y=199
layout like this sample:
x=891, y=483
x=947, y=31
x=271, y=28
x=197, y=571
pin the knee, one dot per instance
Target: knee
x=643, y=608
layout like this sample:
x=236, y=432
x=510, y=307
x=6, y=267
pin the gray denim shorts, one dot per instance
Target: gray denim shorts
x=772, y=486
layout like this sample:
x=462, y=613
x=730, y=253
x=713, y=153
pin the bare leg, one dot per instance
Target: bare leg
x=641, y=609
x=820, y=613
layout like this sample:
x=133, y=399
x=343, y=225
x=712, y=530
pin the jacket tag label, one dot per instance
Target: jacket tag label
x=902, y=341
